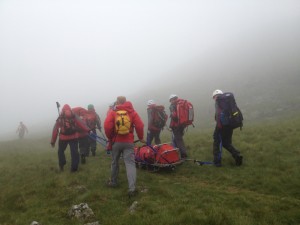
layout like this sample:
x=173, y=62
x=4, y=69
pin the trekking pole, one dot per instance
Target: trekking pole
x=201, y=163
x=220, y=147
x=98, y=139
x=57, y=105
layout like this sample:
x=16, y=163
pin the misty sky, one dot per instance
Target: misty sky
x=81, y=52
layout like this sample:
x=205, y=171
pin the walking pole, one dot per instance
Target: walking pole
x=57, y=105
x=220, y=147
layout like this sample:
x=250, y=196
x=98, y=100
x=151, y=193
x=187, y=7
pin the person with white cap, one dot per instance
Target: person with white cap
x=223, y=135
x=157, y=119
x=177, y=130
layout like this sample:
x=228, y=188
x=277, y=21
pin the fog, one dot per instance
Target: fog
x=82, y=52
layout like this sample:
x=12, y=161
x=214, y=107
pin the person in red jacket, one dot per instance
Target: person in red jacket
x=121, y=136
x=67, y=127
x=177, y=129
x=156, y=122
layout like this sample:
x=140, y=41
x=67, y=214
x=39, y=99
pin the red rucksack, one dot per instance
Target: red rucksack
x=89, y=117
x=68, y=125
x=185, y=113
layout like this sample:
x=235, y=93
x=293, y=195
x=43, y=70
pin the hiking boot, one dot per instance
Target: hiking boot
x=239, y=160
x=61, y=168
x=94, y=154
x=132, y=194
x=110, y=184
x=183, y=156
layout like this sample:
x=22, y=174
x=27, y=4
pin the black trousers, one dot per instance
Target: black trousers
x=62, y=145
x=223, y=138
x=153, y=135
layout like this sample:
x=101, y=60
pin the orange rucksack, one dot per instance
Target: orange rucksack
x=89, y=117
x=185, y=113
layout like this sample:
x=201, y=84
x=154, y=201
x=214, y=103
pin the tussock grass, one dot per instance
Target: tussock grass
x=264, y=190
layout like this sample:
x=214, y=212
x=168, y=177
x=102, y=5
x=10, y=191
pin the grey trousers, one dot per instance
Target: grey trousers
x=178, y=133
x=128, y=155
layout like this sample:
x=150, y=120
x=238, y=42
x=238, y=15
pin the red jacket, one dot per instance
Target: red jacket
x=80, y=125
x=137, y=124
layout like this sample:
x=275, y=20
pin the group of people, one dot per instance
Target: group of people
x=74, y=127
x=120, y=124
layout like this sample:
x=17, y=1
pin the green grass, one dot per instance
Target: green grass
x=265, y=190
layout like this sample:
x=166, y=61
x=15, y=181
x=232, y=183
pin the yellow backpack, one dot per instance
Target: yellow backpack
x=122, y=122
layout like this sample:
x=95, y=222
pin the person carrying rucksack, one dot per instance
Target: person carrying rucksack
x=181, y=115
x=93, y=121
x=157, y=119
x=67, y=127
x=83, y=137
x=228, y=117
x=119, y=126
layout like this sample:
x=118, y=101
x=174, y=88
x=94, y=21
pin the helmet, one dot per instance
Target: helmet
x=217, y=92
x=150, y=102
x=90, y=107
x=172, y=96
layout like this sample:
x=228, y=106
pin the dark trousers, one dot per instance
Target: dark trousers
x=223, y=138
x=62, y=145
x=178, y=133
x=153, y=135
x=83, y=145
x=92, y=145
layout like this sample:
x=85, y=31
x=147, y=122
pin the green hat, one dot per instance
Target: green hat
x=90, y=106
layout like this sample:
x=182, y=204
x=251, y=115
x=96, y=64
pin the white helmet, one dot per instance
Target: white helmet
x=217, y=92
x=172, y=96
x=150, y=102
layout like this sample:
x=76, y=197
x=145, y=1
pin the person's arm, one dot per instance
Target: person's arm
x=98, y=123
x=139, y=127
x=109, y=126
x=55, y=132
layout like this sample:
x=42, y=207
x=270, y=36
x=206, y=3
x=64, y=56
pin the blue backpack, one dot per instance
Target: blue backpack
x=231, y=115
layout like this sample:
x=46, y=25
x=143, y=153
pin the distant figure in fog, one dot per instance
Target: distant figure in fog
x=21, y=130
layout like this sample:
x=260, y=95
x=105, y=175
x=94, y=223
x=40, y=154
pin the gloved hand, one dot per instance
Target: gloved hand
x=108, y=146
x=52, y=145
x=142, y=141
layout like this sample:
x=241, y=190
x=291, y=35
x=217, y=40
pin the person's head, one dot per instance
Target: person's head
x=91, y=107
x=173, y=97
x=150, y=102
x=120, y=100
x=216, y=93
x=66, y=111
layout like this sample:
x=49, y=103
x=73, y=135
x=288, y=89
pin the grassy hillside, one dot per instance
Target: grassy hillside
x=264, y=190
x=259, y=96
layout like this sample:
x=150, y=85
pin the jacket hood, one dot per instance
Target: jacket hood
x=66, y=111
x=125, y=106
